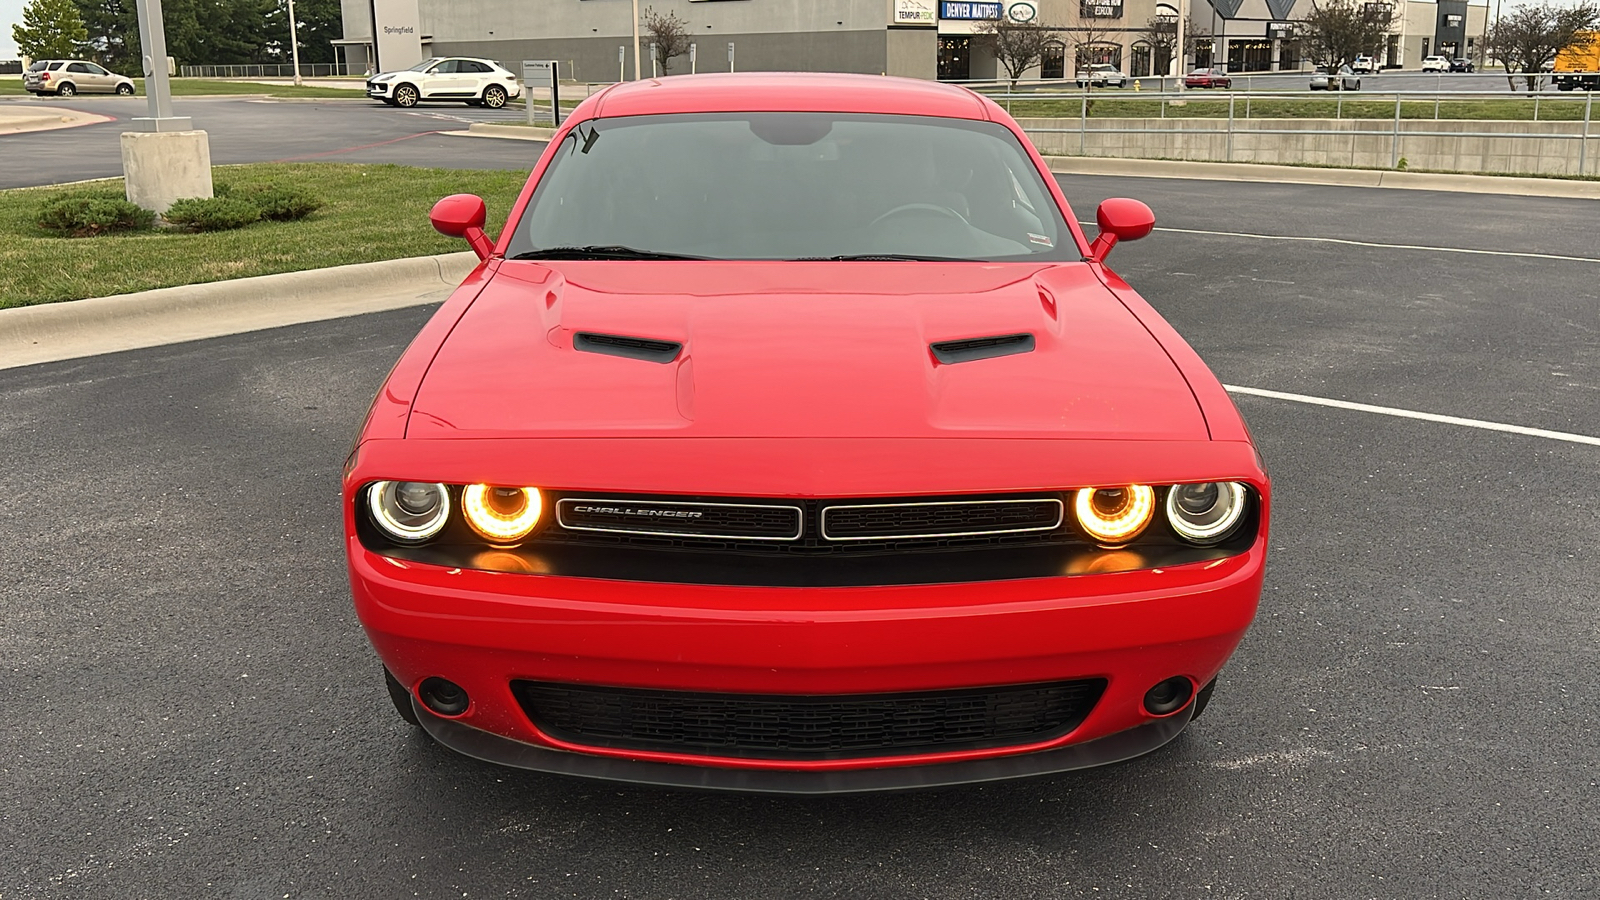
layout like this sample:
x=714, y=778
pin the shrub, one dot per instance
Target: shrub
x=213, y=213
x=279, y=204
x=84, y=215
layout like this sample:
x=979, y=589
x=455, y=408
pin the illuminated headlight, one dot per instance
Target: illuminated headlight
x=409, y=512
x=502, y=515
x=1206, y=513
x=1115, y=515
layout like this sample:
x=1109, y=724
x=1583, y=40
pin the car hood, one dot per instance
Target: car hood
x=801, y=349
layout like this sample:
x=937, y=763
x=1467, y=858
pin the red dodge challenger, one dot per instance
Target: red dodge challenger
x=793, y=437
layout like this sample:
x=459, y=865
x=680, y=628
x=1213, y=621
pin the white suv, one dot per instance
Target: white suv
x=1436, y=64
x=1364, y=65
x=475, y=82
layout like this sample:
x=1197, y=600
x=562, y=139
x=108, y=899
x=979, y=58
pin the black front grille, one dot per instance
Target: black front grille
x=883, y=521
x=725, y=520
x=778, y=726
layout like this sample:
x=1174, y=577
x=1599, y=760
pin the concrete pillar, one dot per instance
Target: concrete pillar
x=163, y=166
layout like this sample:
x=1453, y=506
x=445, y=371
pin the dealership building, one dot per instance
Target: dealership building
x=915, y=38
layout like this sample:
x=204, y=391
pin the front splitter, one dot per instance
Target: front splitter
x=493, y=748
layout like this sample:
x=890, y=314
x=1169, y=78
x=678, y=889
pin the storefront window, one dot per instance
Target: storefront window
x=1054, y=64
x=1288, y=56
x=955, y=58
x=1097, y=54
x=1140, y=66
x=1249, y=56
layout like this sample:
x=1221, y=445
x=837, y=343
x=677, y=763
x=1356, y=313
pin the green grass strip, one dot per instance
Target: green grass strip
x=373, y=212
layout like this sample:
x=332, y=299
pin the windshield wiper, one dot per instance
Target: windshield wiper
x=600, y=252
x=852, y=257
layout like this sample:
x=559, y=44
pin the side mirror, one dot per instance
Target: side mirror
x=1120, y=219
x=462, y=216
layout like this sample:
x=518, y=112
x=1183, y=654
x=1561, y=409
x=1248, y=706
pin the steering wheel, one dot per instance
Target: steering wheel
x=921, y=207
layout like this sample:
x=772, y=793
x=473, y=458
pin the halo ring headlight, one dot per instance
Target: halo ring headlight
x=408, y=512
x=1115, y=515
x=1207, y=513
x=502, y=515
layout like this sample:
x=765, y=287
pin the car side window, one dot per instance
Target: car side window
x=448, y=67
x=475, y=68
x=78, y=67
x=95, y=70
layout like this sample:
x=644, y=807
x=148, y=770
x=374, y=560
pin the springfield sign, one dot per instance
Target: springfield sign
x=397, y=34
x=914, y=12
x=959, y=10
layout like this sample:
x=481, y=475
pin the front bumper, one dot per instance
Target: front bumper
x=484, y=630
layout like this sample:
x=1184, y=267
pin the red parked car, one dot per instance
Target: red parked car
x=1215, y=77
x=792, y=436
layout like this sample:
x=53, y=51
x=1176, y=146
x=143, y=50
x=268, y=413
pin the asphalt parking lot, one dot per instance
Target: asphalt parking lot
x=195, y=711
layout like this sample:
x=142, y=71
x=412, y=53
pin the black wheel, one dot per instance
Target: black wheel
x=401, y=698
x=1202, y=698
x=124, y=90
x=406, y=96
x=67, y=89
x=494, y=96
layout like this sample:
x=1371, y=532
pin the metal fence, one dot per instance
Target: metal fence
x=270, y=70
x=1211, y=125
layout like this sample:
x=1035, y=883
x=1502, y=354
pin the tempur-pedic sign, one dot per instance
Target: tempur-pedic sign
x=397, y=30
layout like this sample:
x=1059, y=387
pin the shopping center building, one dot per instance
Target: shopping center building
x=917, y=38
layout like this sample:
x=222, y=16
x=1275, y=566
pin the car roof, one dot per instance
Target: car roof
x=790, y=92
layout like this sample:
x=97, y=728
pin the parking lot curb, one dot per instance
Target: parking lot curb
x=1256, y=172
x=510, y=132
x=58, y=331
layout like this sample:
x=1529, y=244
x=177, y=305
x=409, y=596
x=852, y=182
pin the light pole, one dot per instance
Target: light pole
x=1177, y=53
x=635, y=40
x=294, y=44
x=165, y=159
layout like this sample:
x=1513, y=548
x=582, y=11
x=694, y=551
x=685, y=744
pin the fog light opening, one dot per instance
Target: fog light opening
x=443, y=697
x=1169, y=696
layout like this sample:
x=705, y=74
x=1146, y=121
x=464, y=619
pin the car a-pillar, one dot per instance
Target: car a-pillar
x=166, y=159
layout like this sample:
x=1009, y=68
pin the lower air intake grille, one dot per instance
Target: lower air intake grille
x=764, y=726
x=887, y=521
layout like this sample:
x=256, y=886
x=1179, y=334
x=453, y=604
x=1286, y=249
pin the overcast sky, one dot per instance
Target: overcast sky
x=10, y=14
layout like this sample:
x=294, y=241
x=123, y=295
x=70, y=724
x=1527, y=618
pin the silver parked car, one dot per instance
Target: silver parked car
x=67, y=77
x=1327, y=79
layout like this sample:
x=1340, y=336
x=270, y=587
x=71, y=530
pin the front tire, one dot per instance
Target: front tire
x=67, y=89
x=124, y=90
x=406, y=96
x=494, y=96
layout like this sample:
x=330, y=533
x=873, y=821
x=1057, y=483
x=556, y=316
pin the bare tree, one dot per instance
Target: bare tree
x=1089, y=31
x=1018, y=46
x=668, y=35
x=1528, y=38
x=1337, y=31
x=1161, y=33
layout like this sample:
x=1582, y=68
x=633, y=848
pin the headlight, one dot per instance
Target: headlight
x=502, y=515
x=1115, y=515
x=409, y=512
x=1206, y=513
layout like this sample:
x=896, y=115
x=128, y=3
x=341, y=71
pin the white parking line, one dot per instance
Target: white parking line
x=1353, y=243
x=1413, y=414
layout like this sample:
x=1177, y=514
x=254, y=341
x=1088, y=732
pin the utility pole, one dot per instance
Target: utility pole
x=635, y=40
x=294, y=44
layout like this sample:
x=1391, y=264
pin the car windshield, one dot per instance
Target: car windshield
x=792, y=186
x=424, y=65
x=39, y=66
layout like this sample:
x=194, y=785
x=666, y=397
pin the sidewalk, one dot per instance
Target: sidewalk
x=16, y=118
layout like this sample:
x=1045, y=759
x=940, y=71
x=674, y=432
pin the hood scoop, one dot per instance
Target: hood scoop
x=969, y=349
x=647, y=349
